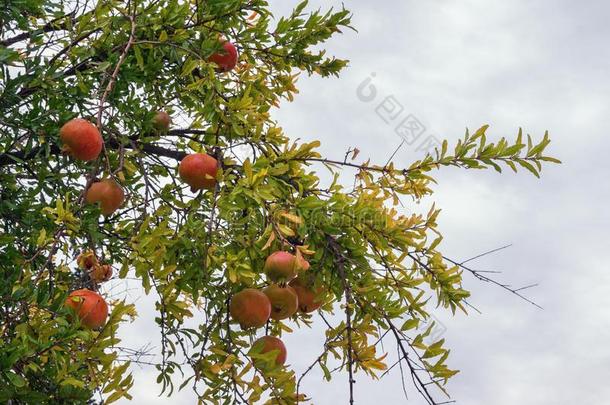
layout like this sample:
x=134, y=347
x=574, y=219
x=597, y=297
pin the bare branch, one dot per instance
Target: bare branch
x=340, y=260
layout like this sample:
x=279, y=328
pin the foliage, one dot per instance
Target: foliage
x=116, y=63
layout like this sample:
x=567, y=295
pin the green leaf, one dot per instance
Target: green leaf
x=529, y=167
x=15, y=379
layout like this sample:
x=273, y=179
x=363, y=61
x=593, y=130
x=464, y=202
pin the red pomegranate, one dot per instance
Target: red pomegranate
x=198, y=170
x=81, y=139
x=89, y=306
x=226, y=59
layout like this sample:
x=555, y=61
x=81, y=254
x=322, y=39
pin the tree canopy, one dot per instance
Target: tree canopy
x=116, y=64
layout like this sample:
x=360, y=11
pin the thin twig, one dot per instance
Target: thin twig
x=112, y=80
x=348, y=312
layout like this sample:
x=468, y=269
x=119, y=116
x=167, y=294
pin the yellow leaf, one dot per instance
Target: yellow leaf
x=41, y=238
x=377, y=365
x=269, y=241
x=232, y=275
x=285, y=230
x=248, y=170
x=215, y=368
x=292, y=218
x=305, y=250
x=218, y=351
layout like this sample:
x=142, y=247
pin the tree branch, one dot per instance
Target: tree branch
x=334, y=245
x=10, y=158
x=48, y=27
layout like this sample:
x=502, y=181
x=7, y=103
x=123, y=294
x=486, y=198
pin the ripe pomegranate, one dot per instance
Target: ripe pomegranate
x=309, y=300
x=251, y=308
x=161, y=121
x=108, y=193
x=267, y=344
x=198, y=170
x=226, y=59
x=86, y=260
x=89, y=306
x=284, y=301
x=81, y=139
x=100, y=273
x=281, y=266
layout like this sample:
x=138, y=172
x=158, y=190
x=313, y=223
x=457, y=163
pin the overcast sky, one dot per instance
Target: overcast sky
x=455, y=64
